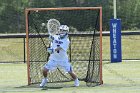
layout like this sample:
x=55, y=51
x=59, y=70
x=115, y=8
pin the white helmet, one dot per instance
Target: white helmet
x=64, y=29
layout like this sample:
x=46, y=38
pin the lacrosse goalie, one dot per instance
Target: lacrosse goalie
x=58, y=55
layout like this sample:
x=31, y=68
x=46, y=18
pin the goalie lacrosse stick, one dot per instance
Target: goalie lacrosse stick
x=53, y=26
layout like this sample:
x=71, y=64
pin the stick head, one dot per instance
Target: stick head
x=53, y=26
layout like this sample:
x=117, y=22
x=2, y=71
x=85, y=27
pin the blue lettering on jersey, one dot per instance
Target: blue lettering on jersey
x=58, y=42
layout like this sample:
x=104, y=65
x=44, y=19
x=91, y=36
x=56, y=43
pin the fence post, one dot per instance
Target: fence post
x=24, y=50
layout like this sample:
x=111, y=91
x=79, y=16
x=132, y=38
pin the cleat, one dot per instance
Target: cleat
x=76, y=83
x=43, y=83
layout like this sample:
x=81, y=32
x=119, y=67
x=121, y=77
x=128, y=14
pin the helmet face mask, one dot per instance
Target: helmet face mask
x=63, y=32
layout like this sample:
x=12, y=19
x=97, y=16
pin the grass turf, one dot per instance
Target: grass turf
x=117, y=77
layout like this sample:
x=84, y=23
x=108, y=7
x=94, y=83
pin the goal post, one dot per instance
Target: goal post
x=85, y=51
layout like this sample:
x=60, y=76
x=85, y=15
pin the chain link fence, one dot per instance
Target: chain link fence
x=130, y=46
x=13, y=47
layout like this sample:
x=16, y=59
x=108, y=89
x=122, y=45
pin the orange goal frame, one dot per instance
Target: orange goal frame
x=27, y=10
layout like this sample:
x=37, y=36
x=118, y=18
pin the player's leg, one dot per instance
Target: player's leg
x=44, y=80
x=73, y=75
x=51, y=65
x=68, y=68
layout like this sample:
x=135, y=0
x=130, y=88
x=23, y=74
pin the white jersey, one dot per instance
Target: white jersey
x=60, y=55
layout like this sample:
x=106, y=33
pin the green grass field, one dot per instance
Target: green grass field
x=118, y=78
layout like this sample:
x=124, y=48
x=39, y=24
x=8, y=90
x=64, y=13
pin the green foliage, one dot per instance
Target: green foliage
x=12, y=18
x=129, y=12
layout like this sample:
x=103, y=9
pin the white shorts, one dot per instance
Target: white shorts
x=53, y=65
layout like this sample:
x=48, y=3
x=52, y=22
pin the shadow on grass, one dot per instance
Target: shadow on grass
x=46, y=87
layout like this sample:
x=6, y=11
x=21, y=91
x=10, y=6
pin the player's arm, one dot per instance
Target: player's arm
x=63, y=46
x=50, y=50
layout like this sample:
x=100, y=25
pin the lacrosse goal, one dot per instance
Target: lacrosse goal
x=85, y=50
